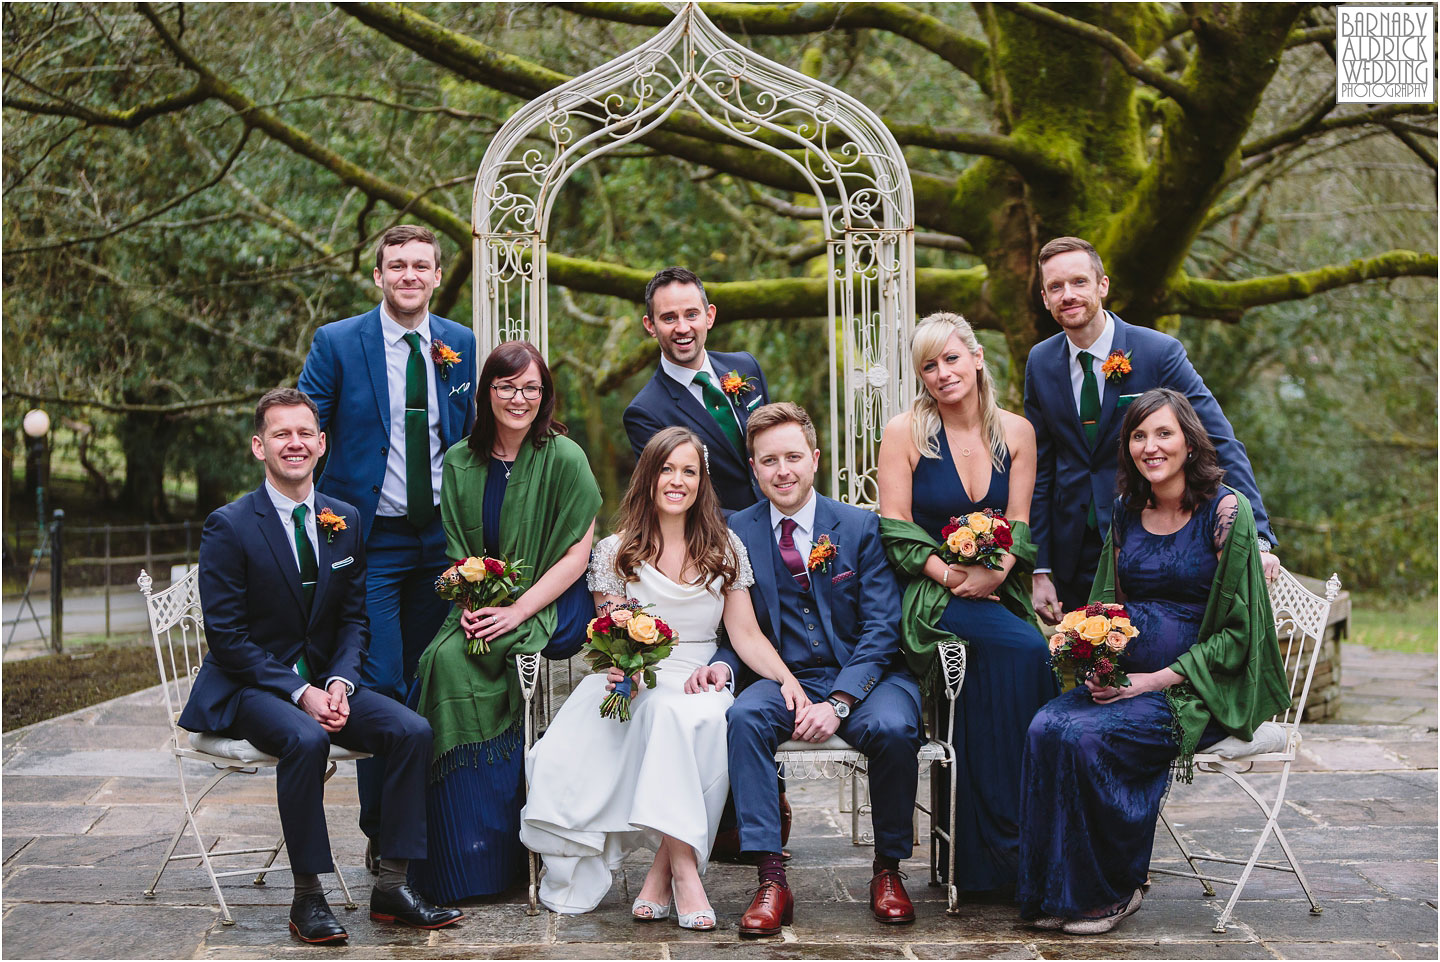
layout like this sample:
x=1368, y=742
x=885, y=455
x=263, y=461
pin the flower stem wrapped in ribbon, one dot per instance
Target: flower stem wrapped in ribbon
x=476, y=583
x=1090, y=641
x=977, y=538
x=627, y=638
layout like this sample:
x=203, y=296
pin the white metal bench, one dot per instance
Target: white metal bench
x=177, y=629
x=543, y=687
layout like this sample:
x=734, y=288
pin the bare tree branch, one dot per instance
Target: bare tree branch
x=1317, y=123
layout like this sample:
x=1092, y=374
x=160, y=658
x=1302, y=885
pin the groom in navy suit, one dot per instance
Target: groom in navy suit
x=282, y=586
x=693, y=388
x=1076, y=409
x=395, y=388
x=826, y=598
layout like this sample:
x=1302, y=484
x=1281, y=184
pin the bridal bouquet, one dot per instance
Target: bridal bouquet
x=977, y=538
x=1090, y=641
x=476, y=583
x=627, y=638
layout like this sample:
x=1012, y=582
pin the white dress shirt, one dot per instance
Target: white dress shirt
x=393, y=502
x=285, y=508
x=1100, y=350
x=686, y=378
x=804, y=519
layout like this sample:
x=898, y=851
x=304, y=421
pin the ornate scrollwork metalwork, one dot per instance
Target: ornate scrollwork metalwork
x=841, y=150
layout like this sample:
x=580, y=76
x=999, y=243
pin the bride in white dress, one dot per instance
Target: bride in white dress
x=600, y=788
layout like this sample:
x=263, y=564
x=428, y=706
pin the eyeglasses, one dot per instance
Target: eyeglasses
x=530, y=392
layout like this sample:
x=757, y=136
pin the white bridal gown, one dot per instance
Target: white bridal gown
x=600, y=788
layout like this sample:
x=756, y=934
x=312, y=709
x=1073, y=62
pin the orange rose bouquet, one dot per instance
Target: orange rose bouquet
x=627, y=638
x=977, y=538
x=475, y=583
x=1090, y=641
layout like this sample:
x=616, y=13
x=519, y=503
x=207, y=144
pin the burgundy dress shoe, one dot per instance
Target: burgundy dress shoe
x=772, y=907
x=888, y=899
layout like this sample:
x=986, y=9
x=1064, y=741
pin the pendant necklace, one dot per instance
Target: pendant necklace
x=507, y=465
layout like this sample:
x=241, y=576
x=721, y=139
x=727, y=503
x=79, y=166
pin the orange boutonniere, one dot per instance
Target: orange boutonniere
x=822, y=553
x=1116, y=366
x=331, y=522
x=735, y=385
x=444, y=356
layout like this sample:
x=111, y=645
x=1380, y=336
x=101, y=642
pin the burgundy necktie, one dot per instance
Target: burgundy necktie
x=790, y=556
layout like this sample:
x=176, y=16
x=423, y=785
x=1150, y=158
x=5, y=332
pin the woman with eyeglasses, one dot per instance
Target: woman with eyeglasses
x=522, y=491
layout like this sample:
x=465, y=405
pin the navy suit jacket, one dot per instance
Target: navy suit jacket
x=254, y=613
x=1070, y=474
x=857, y=598
x=663, y=403
x=344, y=375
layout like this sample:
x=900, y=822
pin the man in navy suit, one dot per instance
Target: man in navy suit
x=282, y=586
x=395, y=388
x=1076, y=409
x=709, y=392
x=826, y=597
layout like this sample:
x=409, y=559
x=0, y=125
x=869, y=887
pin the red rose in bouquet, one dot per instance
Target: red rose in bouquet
x=977, y=538
x=1090, y=641
x=475, y=583
x=627, y=638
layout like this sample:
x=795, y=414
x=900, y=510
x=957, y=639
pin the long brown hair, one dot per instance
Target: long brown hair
x=1203, y=473
x=507, y=360
x=707, y=540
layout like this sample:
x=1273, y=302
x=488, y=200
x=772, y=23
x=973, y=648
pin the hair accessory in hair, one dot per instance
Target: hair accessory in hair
x=705, y=453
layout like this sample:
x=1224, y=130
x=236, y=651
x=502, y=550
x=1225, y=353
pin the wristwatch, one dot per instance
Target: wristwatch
x=842, y=710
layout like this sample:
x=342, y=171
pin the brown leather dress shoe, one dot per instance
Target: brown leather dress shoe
x=888, y=899
x=772, y=907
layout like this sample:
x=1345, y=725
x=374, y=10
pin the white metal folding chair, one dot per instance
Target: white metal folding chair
x=1300, y=620
x=177, y=629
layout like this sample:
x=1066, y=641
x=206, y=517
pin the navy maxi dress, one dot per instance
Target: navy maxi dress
x=1094, y=775
x=1007, y=678
x=473, y=811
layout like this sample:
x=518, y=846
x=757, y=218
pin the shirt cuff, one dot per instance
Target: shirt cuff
x=295, y=695
x=349, y=685
x=1041, y=571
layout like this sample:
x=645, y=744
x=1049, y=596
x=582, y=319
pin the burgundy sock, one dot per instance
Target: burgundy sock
x=772, y=868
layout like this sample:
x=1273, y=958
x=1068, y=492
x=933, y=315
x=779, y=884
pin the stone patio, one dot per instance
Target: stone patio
x=89, y=802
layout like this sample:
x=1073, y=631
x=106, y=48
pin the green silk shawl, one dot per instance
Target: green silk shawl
x=908, y=545
x=1233, y=672
x=551, y=500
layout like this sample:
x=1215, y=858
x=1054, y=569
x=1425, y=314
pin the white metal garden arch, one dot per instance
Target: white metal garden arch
x=842, y=150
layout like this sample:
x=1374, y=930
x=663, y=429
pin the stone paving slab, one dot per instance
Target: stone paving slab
x=89, y=804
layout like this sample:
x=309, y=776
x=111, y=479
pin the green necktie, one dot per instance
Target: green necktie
x=1089, y=414
x=309, y=574
x=419, y=495
x=719, y=407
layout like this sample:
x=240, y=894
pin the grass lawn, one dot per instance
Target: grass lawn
x=1393, y=624
x=39, y=688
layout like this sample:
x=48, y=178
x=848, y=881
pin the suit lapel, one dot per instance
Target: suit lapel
x=274, y=533
x=693, y=413
x=1111, y=392
x=761, y=546
x=442, y=388
x=372, y=342
x=324, y=557
x=826, y=520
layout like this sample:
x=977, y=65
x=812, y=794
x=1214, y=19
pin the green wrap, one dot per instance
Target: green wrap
x=907, y=545
x=1233, y=672
x=551, y=500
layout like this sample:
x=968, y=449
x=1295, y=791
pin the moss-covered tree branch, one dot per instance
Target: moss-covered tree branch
x=1314, y=126
x=127, y=117
x=1228, y=300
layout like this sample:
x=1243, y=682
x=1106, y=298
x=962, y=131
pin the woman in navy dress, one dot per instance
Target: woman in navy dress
x=1097, y=759
x=953, y=453
x=517, y=453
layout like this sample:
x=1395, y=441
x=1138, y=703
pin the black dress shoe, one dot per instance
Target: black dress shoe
x=404, y=905
x=312, y=921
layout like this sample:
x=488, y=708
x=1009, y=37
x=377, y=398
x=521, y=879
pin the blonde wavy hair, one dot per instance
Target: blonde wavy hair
x=928, y=341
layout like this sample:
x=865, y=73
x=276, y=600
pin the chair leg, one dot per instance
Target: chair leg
x=952, y=889
x=534, y=907
x=1185, y=851
x=1315, y=906
x=185, y=822
x=1272, y=815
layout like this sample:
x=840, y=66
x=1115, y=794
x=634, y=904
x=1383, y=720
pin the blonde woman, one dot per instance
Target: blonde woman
x=955, y=452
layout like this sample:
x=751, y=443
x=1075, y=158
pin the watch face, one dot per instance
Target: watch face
x=842, y=710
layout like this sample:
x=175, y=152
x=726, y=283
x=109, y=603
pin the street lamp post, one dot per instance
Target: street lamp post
x=37, y=426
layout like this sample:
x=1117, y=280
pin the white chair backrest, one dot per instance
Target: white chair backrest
x=1300, y=620
x=177, y=628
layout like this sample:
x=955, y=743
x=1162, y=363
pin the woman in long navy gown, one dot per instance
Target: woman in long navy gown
x=522, y=491
x=1097, y=759
x=955, y=441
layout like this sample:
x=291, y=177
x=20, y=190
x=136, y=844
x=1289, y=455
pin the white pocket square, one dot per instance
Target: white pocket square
x=752, y=404
x=460, y=389
x=343, y=562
